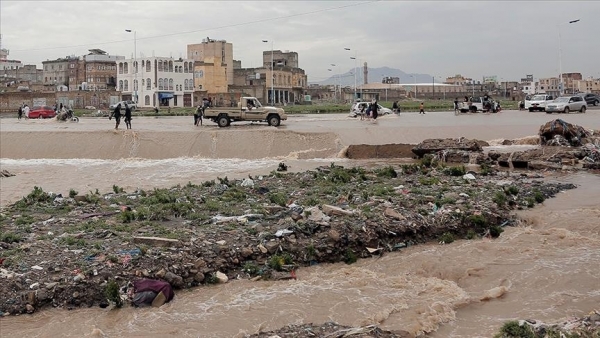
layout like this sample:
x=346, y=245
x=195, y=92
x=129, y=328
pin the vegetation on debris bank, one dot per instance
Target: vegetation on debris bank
x=584, y=327
x=259, y=226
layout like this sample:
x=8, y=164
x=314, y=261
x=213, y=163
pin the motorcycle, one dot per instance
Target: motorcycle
x=69, y=115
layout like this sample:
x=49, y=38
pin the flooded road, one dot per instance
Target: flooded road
x=545, y=269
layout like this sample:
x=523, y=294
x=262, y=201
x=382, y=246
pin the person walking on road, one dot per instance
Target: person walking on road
x=117, y=115
x=26, y=111
x=127, y=116
x=198, y=115
x=422, y=108
x=20, y=113
x=374, y=109
x=456, y=105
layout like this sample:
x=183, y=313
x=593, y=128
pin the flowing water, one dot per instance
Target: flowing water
x=546, y=268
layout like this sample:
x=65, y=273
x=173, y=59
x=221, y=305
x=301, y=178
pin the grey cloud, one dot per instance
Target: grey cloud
x=474, y=38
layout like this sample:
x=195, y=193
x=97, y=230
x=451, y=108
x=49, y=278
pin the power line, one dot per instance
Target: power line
x=205, y=29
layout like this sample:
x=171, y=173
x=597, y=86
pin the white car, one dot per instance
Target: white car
x=567, y=104
x=538, y=102
x=358, y=106
x=132, y=105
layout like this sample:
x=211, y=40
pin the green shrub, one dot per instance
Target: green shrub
x=112, y=293
x=455, y=171
x=447, y=238
x=429, y=180
x=512, y=190
x=278, y=198
x=117, y=189
x=24, y=220
x=73, y=193
x=9, y=237
x=340, y=175
x=499, y=198
x=471, y=234
x=276, y=262
x=538, y=196
x=478, y=220
x=251, y=268
x=495, y=231
x=126, y=216
x=350, y=257
x=512, y=329
x=387, y=172
x=530, y=202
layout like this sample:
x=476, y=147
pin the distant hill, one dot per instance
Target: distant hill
x=375, y=75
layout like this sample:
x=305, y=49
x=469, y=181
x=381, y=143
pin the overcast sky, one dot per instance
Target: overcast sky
x=474, y=38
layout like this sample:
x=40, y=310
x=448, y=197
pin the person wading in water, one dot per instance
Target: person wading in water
x=117, y=115
x=127, y=116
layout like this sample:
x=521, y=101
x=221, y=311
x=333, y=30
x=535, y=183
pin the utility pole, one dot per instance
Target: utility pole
x=355, y=59
x=135, y=66
x=560, y=76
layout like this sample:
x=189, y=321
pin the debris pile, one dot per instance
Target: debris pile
x=586, y=326
x=64, y=251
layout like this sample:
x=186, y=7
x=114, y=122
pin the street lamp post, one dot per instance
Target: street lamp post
x=135, y=65
x=334, y=90
x=353, y=58
x=339, y=82
x=415, y=77
x=560, y=76
x=272, y=74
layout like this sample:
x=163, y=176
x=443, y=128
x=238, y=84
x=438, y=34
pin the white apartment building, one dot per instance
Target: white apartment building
x=156, y=81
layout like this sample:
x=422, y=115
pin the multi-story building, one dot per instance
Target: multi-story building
x=391, y=80
x=285, y=80
x=56, y=72
x=589, y=85
x=458, y=80
x=28, y=73
x=569, y=80
x=6, y=64
x=156, y=81
x=550, y=86
x=213, y=65
x=100, y=70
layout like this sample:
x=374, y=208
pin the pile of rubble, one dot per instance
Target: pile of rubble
x=331, y=330
x=586, y=326
x=64, y=251
x=561, y=146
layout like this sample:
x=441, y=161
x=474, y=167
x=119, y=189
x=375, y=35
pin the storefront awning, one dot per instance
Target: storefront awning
x=165, y=96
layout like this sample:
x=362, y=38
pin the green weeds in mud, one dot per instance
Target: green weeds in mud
x=512, y=329
x=446, y=238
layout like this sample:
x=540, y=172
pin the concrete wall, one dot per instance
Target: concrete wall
x=10, y=102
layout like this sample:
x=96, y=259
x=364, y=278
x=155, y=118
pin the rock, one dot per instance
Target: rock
x=221, y=277
x=389, y=212
x=173, y=279
x=571, y=133
x=37, y=267
x=34, y=286
x=262, y=248
x=283, y=232
x=161, y=273
x=221, y=242
x=296, y=216
x=272, y=246
x=317, y=216
x=76, y=294
x=247, y=183
x=333, y=210
x=79, y=198
x=30, y=308
x=199, y=277
x=469, y=177
x=50, y=286
x=334, y=235
x=79, y=277
x=247, y=252
x=435, y=145
x=156, y=241
x=42, y=295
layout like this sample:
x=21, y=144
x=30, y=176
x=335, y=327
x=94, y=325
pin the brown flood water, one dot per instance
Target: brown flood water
x=545, y=269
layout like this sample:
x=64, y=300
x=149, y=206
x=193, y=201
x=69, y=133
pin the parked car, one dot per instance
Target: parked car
x=357, y=106
x=132, y=105
x=566, y=104
x=538, y=102
x=41, y=112
x=590, y=98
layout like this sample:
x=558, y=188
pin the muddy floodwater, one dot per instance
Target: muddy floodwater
x=546, y=268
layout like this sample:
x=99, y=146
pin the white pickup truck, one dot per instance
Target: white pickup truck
x=475, y=104
x=248, y=109
x=538, y=102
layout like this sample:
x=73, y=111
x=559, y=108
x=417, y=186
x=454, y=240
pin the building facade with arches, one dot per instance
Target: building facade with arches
x=156, y=81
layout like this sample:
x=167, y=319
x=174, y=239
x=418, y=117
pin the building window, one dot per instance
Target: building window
x=147, y=100
x=120, y=85
x=171, y=66
x=135, y=66
x=126, y=68
x=170, y=84
x=160, y=65
x=72, y=65
x=185, y=67
x=186, y=84
x=148, y=65
x=120, y=67
x=135, y=85
x=160, y=84
x=148, y=83
x=126, y=85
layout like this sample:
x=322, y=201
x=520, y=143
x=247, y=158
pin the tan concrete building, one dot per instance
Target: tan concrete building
x=213, y=65
x=589, y=85
x=549, y=85
x=56, y=72
x=284, y=79
x=458, y=80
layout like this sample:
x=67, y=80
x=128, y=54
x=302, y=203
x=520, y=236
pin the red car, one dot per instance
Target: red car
x=43, y=112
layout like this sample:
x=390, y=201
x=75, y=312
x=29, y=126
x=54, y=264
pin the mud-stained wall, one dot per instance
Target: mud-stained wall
x=111, y=144
x=365, y=151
